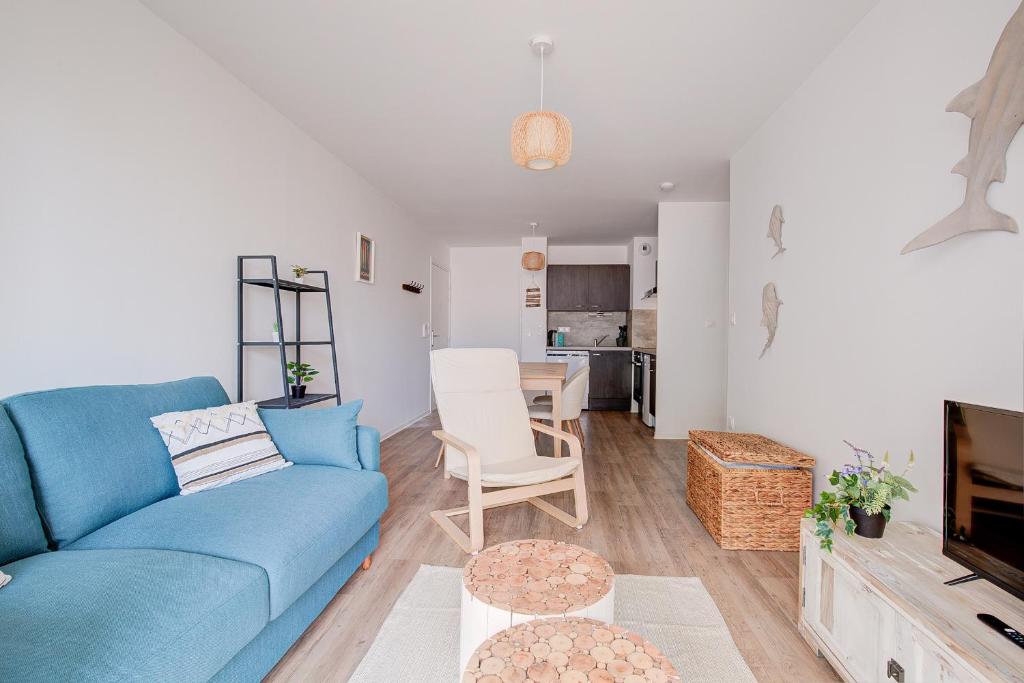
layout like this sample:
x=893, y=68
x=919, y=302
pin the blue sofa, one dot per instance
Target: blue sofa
x=116, y=577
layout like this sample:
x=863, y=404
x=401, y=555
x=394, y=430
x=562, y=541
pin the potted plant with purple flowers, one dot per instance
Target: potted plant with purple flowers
x=861, y=498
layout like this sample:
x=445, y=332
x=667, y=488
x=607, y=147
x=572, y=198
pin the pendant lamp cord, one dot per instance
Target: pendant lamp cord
x=542, y=78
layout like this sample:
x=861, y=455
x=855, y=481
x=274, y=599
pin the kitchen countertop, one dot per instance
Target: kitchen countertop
x=651, y=350
x=590, y=348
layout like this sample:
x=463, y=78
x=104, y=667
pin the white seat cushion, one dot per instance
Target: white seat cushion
x=524, y=471
x=539, y=412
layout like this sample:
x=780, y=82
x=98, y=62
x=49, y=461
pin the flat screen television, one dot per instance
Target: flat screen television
x=984, y=493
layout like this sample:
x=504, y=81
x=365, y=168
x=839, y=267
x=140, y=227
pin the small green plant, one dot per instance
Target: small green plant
x=301, y=373
x=299, y=271
x=868, y=485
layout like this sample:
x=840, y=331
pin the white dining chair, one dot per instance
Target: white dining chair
x=486, y=431
x=572, y=404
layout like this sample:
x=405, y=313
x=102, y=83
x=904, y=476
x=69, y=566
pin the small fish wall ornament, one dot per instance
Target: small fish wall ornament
x=770, y=303
x=995, y=105
x=775, y=229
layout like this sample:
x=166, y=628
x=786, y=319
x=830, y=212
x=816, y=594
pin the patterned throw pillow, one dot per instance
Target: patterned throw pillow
x=217, y=446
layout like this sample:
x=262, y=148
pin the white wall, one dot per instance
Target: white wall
x=533, y=321
x=693, y=252
x=485, y=296
x=134, y=169
x=643, y=271
x=587, y=254
x=871, y=342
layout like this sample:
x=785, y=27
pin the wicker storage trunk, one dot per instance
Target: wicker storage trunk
x=748, y=491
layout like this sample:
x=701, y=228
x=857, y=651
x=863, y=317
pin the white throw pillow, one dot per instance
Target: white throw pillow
x=213, y=447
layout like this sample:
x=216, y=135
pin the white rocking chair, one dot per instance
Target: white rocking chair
x=487, y=440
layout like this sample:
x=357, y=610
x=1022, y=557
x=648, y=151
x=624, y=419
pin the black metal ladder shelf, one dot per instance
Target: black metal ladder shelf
x=278, y=285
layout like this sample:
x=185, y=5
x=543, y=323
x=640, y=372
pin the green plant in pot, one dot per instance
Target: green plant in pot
x=299, y=375
x=300, y=273
x=861, y=497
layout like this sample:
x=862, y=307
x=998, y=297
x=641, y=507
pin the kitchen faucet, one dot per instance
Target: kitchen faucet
x=598, y=340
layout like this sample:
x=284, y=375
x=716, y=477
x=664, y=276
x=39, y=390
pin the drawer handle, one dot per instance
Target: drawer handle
x=771, y=502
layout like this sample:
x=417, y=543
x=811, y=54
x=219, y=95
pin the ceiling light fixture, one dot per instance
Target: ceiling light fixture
x=541, y=140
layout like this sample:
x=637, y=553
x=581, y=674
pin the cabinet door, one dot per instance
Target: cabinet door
x=922, y=659
x=610, y=377
x=608, y=288
x=850, y=620
x=567, y=288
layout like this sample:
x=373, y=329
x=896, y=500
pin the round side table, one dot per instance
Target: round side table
x=520, y=581
x=568, y=650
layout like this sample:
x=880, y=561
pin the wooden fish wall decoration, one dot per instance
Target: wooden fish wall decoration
x=775, y=229
x=770, y=303
x=995, y=105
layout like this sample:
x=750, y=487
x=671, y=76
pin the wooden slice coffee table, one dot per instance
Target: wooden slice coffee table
x=568, y=650
x=520, y=581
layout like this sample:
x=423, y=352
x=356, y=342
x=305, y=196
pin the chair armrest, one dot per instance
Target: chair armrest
x=472, y=455
x=368, y=447
x=575, y=447
x=470, y=451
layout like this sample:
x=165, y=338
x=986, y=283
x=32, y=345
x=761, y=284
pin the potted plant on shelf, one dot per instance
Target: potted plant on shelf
x=300, y=273
x=300, y=374
x=276, y=332
x=861, y=497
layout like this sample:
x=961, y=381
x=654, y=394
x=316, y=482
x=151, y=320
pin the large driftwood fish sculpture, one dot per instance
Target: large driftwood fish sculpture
x=775, y=229
x=770, y=303
x=995, y=105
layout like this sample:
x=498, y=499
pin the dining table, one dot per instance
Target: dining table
x=546, y=377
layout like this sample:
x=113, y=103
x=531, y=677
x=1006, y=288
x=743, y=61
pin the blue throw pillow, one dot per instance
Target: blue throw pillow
x=318, y=436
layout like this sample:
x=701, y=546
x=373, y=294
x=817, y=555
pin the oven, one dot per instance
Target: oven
x=638, y=378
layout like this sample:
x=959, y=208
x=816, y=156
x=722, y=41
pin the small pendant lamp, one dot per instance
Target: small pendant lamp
x=541, y=140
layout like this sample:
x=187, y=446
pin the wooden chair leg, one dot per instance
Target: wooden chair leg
x=579, y=432
x=580, y=497
x=476, y=519
x=440, y=454
x=367, y=562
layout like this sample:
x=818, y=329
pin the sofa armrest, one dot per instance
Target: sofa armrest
x=368, y=447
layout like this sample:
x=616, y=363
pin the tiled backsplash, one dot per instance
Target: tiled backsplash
x=584, y=328
x=643, y=328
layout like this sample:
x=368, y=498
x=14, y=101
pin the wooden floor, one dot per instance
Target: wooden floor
x=639, y=522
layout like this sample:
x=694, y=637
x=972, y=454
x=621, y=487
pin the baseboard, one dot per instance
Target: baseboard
x=390, y=433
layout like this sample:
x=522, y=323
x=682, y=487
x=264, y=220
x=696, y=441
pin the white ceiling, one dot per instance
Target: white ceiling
x=418, y=96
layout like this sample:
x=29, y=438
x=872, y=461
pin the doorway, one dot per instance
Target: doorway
x=440, y=314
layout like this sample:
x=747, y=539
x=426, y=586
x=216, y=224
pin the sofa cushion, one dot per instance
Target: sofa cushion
x=295, y=523
x=21, y=532
x=127, y=615
x=217, y=446
x=323, y=436
x=93, y=453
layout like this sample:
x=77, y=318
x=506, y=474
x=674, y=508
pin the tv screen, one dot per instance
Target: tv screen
x=984, y=496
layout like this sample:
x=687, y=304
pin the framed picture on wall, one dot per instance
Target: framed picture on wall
x=364, y=258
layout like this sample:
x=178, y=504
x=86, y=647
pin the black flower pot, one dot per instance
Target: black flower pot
x=298, y=390
x=868, y=526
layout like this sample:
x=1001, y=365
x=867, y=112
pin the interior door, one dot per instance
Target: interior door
x=440, y=298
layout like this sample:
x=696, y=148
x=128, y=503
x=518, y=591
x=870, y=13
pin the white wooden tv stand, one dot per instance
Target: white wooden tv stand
x=878, y=611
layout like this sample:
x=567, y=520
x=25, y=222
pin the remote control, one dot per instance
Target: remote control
x=1004, y=628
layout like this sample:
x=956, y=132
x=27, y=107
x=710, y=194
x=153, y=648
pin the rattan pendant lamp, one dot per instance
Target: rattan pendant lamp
x=541, y=140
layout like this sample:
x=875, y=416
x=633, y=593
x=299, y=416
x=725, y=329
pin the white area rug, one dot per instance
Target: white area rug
x=419, y=641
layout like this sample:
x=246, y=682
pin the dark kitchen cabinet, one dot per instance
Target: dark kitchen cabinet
x=567, y=288
x=611, y=378
x=588, y=288
x=608, y=288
